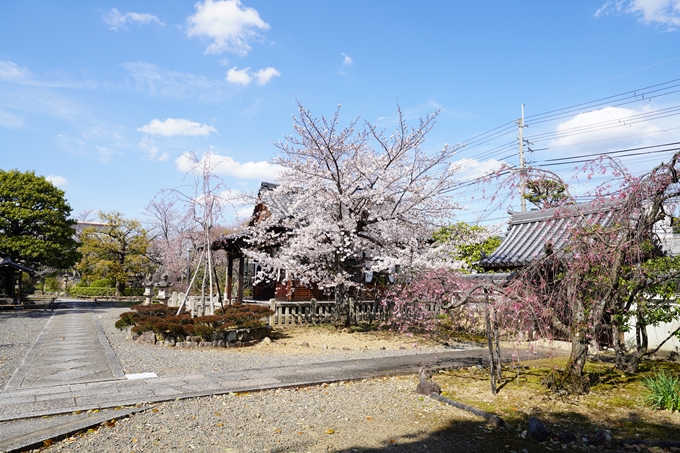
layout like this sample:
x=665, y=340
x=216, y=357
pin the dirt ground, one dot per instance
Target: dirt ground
x=616, y=402
x=313, y=339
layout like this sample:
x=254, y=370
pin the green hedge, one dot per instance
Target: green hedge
x=103, y=292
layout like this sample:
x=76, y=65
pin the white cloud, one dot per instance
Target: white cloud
x=173, y=126
x=604, y=129
x=469, y=168
x=104, y=154
x=227, y=166
x=239, y=76
x=158, y=81
x=229, y=25
x=8, y=119
x=651, y=12
x=100, y=142
x=12, y=72
x=57, y=180
x=243, y=77
x=263, y=76
x=346, y=60
x=117, y=20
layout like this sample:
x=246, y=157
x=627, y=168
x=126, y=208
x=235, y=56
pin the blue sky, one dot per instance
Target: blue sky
x=105, y=97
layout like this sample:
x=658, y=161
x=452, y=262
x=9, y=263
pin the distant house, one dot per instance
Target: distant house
x=10, y=280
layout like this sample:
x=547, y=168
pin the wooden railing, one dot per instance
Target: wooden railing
x=313, y=312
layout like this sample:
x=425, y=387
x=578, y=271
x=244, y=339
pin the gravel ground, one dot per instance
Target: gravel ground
x=135, y=358
x=18, y=331
x=369, y=416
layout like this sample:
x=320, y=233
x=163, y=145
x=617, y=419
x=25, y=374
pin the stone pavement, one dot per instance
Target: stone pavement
x=71, y=368
x=72, y=348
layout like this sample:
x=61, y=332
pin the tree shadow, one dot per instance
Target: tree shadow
x=474, y=436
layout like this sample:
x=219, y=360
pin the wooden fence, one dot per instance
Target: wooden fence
x=321, y=312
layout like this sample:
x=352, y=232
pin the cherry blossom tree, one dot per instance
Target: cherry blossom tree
x=358, y=200
x=611, y=272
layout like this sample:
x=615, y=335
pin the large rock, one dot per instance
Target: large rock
x=428, y=388
x=537, y=430
x=147, y=338
x=604, y=438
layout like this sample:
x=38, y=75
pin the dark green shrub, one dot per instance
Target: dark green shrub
x=92, y=291
x=102, y=283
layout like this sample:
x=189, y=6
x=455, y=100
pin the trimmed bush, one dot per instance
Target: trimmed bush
x=103, y=292
x=102, y=283
x=160, y=318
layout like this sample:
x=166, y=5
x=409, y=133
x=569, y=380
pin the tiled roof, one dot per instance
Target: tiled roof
x=7, y=262
x=530, y=233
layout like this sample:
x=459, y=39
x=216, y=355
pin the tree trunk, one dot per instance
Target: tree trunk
x=341, y=306
x=120, y=288
x=619, y=349
x=642, y=345
x=575, y=381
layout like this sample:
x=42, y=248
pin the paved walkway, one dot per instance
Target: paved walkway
x=71, y=348
x=71, y=368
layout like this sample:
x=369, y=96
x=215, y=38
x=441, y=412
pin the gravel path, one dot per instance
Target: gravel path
x=375, y=415
x=18, y=331
x=135, y=358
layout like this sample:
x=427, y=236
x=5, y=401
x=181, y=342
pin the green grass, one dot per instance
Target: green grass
x=664, y=391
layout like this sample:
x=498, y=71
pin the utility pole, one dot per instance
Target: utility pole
x=522, y=166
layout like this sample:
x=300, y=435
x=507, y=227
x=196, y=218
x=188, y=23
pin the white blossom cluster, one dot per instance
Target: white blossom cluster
x=352, y=201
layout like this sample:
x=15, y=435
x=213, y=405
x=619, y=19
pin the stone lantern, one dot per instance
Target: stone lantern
x=148, y=290
x=163, y=289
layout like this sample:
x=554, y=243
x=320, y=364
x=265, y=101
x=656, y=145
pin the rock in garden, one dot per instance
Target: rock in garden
x=602, y=437
x=147, y=338
x=537, y=430
x=567, y=437
x=428, y=388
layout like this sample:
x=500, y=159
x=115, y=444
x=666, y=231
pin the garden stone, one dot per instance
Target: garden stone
x=537, y=430
x=147, y=338
x=425, y=386
x=566, y=438
x=220, y=343
x=266, y=340
x=205, y=344
x=602, y=437
x=231, y=336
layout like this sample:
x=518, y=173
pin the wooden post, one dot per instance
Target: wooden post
x=241, y=272
x=489, y=334
x=230, y=273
